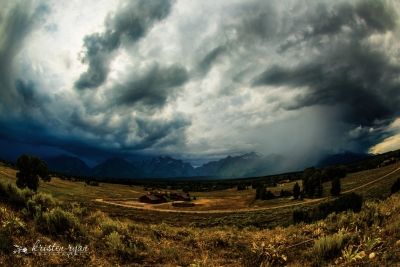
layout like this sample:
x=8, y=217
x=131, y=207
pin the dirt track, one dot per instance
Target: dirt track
x=306, y=202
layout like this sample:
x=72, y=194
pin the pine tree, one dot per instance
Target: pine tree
x=296, y=191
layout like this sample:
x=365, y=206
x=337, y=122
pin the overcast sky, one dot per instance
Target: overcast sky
x=200, y=80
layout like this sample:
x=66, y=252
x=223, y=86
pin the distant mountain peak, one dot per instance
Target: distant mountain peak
x=251, y=155
x=247, y=164
x=68, y=164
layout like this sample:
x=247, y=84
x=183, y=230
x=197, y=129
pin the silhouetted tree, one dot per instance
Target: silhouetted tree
x=336, y=188
x=241, y=186
x=308, y=185
x=312, y=182
x=262, y=192
x=30, y=168
x=268, y=195
x=296, y=191
x=259, y=190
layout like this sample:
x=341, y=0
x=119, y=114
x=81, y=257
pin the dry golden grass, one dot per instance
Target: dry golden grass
x=138, y=238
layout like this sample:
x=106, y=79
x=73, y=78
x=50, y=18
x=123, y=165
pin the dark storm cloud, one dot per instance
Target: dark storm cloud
x=30, y=118
x=152, y=89
x=161, y=133
x=347, y=73
x=17, y=96
x=377, y=15
x=254, y=21
x=133, y=134
x=323, y=55
x=207, y=62
x=16, y=25
x=363, y=19
x=27, y=91
x=131, y=22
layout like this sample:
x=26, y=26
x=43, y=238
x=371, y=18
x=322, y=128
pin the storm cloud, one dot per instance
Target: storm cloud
x=301, y=79
x=344, y=70
x=16, y=23
x=131, y=22
x=152, y=89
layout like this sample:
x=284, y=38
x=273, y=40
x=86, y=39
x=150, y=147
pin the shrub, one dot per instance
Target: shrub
x=329, y=247
x=77, y=209
x=352, y=254
x=219, y=240
x=15, y=196
x=121, y=245
x=40, y=203
x=57, y=221
x=114, y=241
x=169, y=254
x=264, y=255
x=109, y=225
x=10, y=225
x=46, y=201
x=369, y=216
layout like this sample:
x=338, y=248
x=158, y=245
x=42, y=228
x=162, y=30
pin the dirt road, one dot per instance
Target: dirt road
x=300, y=203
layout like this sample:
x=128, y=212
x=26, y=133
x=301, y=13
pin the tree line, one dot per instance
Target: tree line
x=312, y=183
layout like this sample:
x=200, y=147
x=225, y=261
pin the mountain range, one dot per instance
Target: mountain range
x=249, y=164
x=246, y=165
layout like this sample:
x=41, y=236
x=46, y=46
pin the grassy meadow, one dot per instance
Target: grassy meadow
x=233, y=229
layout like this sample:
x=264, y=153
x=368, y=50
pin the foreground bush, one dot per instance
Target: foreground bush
x=39, y=203
x=13, y=195
x=329, y=246
x=10, y=225
x=59, y=222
